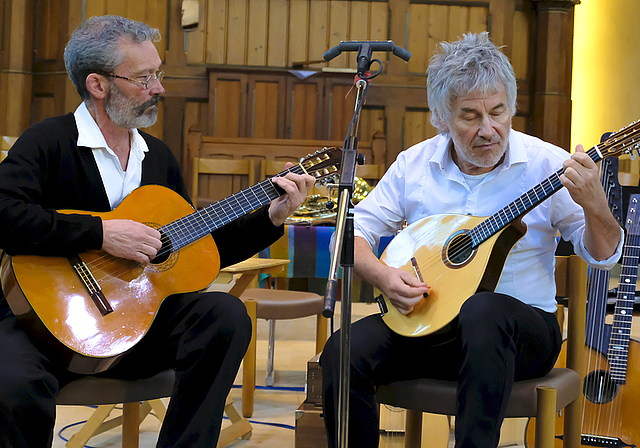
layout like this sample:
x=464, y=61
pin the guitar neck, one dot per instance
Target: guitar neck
x=200, y=223
x=522, y=205
x=623, y=313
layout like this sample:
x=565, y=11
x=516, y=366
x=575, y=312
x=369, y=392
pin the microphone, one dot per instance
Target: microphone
x=365, y=49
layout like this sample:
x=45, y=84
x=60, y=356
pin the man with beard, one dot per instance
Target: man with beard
x=476, y=166
x=90, y=160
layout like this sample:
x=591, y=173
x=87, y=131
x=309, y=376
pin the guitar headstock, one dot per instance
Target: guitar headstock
x=324, y=165
x=625, y=141
x=612, y=187
x=632, y=222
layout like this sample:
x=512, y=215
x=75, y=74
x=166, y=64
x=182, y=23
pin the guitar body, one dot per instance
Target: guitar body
x=453, y=276
x=49, y=296
x=609, y=410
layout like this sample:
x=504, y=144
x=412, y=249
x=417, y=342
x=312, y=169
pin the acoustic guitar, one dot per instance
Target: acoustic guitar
x=91, y=309
x=461, y=255
x=611, y=387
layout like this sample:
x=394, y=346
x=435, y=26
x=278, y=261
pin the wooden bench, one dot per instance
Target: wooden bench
x=267, y=152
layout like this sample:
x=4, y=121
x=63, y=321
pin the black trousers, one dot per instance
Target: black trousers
x=204, y=336
x=498, y=339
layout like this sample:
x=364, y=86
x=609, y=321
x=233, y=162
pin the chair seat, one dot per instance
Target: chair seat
x=283, y=304
x=95, y=390
x=439, y=397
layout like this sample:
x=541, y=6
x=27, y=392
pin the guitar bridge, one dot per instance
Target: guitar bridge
x=91, y=285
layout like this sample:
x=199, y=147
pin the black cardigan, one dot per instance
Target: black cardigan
x=46, y=171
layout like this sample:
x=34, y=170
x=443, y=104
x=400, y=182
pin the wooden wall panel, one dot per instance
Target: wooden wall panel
x=277, y=31
x=304, y=112
x=429, y=25
x=281, y=33
x=237, y=38
x=339, y=22
x=257, y=36
x=229, y=101
x=318, y=31
x=267, y=110
x=298, y=31
x=215, y=28
x=117, y=7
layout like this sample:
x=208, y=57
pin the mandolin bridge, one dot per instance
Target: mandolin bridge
x=91, y=285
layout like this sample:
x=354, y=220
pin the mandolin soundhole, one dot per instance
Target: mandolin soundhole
x=458, y=250
x=599, y=387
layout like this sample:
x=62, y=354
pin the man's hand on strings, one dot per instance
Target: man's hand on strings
x=132, y=240
x=296, y=187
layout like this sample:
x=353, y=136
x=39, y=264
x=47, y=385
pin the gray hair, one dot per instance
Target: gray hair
x=472, y=63
x=95, y=47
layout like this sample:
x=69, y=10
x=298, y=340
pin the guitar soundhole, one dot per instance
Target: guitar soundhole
x=459, y=249
x=599, y=387
x=165, y=251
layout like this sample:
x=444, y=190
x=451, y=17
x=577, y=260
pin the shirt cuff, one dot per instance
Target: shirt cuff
x=603, y=264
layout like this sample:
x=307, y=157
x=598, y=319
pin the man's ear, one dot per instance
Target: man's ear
x=97, y=85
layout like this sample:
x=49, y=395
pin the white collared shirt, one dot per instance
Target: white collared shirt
x=424, y=181
x=117, y=182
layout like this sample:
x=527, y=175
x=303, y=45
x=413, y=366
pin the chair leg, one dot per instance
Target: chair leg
x=321, y=333
x=546, y=418
x=249, y=363
x=270, y=351
x=413, y=429
x=131, y=425
x=80, y=439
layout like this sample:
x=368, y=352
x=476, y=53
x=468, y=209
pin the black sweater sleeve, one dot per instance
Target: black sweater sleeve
x=45, y=172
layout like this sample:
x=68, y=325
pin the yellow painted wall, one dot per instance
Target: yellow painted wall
x=606, y=68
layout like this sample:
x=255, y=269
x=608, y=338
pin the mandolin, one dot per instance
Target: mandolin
x=460, y=255
x=91, y=309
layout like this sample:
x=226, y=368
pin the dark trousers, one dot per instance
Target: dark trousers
x=203, y=336
x=497, y=339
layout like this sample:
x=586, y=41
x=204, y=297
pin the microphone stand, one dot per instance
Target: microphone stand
x=343, y=252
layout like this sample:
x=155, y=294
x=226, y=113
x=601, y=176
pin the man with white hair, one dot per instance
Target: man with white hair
x=476, y=165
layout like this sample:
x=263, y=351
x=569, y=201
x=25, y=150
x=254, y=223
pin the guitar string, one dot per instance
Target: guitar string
x=183, y=228
x=597, y=289
x=618, y=353
x=179, y=231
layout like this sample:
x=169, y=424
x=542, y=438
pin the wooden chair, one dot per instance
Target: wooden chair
x=107, y=392
x=212, y=166
x=261, y=303
x=541, y=398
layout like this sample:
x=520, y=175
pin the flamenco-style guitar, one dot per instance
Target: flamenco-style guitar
x=460, y=255
x=91, y=309
x=611, y=387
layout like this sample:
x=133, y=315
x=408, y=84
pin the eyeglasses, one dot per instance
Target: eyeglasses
x=159, y=75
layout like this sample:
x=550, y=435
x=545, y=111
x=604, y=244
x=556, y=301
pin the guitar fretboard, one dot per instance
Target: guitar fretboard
x=621, y=328
x=522, y=205
x=198, y=224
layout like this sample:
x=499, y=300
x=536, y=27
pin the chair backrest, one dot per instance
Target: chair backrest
x=203, y=190
x=571, y=282
x=6, y=142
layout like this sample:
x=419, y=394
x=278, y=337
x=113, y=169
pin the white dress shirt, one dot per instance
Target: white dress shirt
x=117, y=182
x=425, y=181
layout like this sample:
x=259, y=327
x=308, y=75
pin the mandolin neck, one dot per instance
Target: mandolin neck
x=522, y=205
